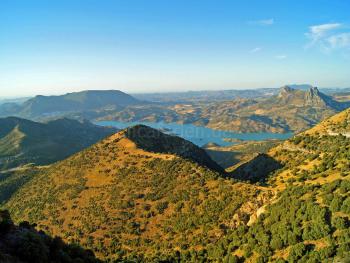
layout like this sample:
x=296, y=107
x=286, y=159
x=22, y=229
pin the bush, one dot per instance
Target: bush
x=161, y=206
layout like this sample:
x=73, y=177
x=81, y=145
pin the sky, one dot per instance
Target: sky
x=58, y=46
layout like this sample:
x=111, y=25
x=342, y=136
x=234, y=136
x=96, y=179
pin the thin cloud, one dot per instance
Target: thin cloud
x=318, y=34
x=263, y=22
x=255, y=50
x=339, y=41
x=281, y=57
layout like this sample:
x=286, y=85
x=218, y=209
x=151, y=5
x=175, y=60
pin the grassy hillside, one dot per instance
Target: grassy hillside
x=124, y=200
x=23, y=141
x=127, y=199
x=309, y=219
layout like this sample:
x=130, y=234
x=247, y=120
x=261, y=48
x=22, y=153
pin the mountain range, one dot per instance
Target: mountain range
x=45, y=106
x=290, y=110
x=225, y=95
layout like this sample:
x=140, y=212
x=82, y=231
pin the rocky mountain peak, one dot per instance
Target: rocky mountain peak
x=285, y=90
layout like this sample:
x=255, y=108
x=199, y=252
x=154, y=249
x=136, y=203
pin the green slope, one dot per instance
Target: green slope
x=23, y=141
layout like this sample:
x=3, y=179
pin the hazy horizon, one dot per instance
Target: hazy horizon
x=139, y=46
x=156, y=91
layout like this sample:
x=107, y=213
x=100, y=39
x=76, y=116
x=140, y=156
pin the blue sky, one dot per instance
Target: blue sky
x=58, y=46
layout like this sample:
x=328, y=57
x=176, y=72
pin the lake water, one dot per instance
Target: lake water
x=199, y=135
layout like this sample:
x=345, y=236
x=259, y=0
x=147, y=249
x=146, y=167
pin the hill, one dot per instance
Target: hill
x=23, y=141
x=336, y=125
x=153, y=140
x=125, y=198
x=307, y=153
x=308, y=219
x=90, y=100
x=24, y=244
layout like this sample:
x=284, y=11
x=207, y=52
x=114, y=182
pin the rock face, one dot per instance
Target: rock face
x=314, y=97
x=285, y=91
x=309, y=98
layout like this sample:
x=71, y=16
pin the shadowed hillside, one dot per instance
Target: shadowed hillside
x=153, y=140
x=23, y=244
x=23, y=141
x=257, y=169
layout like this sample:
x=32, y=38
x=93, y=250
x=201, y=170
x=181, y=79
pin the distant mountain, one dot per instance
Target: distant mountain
x=9, y=108
x=223, y=95
x=205, y=95
x=89, y=100
x=19, y=100
x=23, y=141
x=304, y=87
x=139, y=195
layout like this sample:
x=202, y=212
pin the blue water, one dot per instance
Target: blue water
x=199, y=135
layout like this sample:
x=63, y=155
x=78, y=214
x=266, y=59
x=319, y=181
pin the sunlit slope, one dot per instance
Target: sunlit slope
x=318, y=155
x=123, y=197
x=309, y=217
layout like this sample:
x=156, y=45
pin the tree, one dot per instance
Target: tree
x=296, y=252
